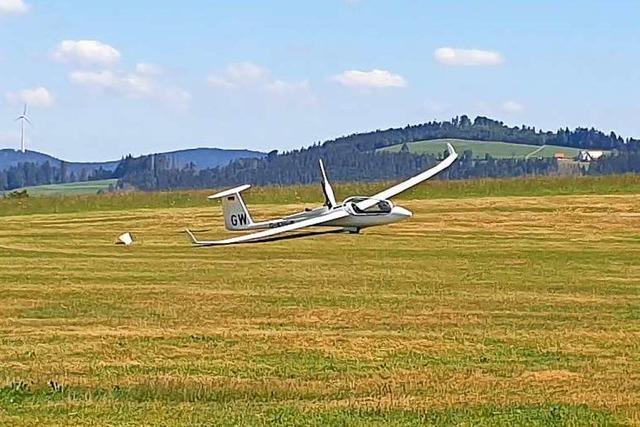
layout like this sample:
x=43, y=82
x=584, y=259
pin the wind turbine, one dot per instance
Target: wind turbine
x=23, y=118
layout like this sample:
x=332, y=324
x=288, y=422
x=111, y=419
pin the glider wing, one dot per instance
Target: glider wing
x=331, y=216
x=411, y=182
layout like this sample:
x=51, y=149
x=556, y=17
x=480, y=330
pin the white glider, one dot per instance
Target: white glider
x=352, y=215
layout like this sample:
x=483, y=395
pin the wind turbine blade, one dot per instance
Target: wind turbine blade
x=25, y=110
x=28, y=121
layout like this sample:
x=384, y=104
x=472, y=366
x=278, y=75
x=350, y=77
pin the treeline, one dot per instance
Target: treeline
x=301, y=167
x=29, y=174
x=625, y=161
x=483, y=129
x=354, y=158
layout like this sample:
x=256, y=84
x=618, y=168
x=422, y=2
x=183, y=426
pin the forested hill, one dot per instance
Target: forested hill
x=482, y=129
x=354, y=157
x=19, y=169
x=11, y=158
x=197, y=158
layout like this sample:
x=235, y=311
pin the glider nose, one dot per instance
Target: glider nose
x=402, y=212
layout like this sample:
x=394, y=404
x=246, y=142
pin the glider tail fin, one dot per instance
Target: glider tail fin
x=236, y=214
x=329, y=197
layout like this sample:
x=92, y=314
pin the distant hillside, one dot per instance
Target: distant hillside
x=9, y=158
x=28, y=169
x=495, y=149
x=201, y=158
x=204, y=158
x=362, y=157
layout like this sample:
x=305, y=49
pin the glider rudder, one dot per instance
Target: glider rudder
x=236, y=214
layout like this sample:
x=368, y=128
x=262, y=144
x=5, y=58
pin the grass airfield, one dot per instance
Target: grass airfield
x=486, y=308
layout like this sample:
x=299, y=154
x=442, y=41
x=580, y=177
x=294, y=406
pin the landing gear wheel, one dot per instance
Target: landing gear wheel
x=352, y=230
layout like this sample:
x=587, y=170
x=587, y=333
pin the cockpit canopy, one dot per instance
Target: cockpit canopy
x=381, y=207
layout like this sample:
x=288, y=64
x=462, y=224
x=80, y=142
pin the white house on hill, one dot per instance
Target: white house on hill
x=589, y=155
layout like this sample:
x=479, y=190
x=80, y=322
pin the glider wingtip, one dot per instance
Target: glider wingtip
x=191, y=236
x=201, y=243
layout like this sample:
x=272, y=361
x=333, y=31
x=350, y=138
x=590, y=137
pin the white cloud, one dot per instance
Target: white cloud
x=176, y=97
x=512, y=107
x=13, y=7
x=219, y=81
x=145, y=81
x=149, y=69
x=36, y=97
x=249, y=76
x=241, y=74
x=467, y=57
x=370, y=79
x=132, y=85
x=247, y=72
x=127, y=84
x=86, y=52
x=283, y=88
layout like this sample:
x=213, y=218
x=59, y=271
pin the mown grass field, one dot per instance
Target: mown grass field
x=496, y=149
x=493, y=305
x=73, y=188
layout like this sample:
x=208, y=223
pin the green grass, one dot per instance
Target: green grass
x=70, y=189
x=312, y=194
x=494, y=148
x=165, y=409
x=499, y=303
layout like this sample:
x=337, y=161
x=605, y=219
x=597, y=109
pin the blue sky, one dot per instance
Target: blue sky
x=105, y=79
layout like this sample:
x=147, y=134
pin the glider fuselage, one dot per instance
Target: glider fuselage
x=382, y=213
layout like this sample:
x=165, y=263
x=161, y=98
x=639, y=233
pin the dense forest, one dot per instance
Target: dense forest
x=354, y=157
x=29, y=174
x=483, y=129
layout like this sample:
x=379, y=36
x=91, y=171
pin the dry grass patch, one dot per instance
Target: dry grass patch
x=494, y=310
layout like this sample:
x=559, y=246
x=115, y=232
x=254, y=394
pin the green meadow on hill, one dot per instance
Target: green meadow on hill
x=73, y=188
x=501, y=302
x=496, y=149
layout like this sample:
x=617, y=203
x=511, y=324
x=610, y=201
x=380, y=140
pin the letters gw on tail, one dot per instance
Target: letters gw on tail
x=352, y=215
x=236, y=214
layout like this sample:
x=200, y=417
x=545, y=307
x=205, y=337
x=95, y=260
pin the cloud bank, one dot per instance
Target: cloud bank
x=36, y=97
x=132, y=85
x=97, y=69
x=467, y=57
x=13, y=7
x=249, y=76
x=86, y=53
x=375, y=79
x=149, y=69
